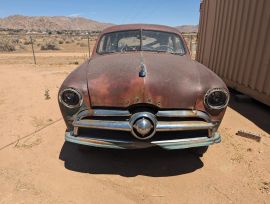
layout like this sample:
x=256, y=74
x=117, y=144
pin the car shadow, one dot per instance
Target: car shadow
x=251, y=109
x=129, y=163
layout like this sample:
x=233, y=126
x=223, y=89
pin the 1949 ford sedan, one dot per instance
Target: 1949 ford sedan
x=141, y=89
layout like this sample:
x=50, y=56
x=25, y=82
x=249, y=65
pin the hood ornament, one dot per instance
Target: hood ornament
x=142, y=72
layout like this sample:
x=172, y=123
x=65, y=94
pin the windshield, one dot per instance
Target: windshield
x=137, y=40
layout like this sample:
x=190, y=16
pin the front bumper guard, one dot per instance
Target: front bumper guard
x=161, y=126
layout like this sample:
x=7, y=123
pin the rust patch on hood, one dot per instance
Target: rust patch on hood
x=172, y=81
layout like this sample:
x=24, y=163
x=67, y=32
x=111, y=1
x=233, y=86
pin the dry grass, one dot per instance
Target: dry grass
x=6, y=45
x=51, y=43
x=50, y=46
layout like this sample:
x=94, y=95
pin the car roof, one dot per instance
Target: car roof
x=139, y=27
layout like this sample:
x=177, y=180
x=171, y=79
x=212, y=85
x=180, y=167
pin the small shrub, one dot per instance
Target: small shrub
x=61, y=42
x=22, y=47
x=75, y=62
x=69, y=41
x=27, y=42
x=47, y=94
x=16, y=40
x=49, y=46
x=6, y=45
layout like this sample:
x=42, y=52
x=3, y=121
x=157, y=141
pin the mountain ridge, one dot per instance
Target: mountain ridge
x=58, y=23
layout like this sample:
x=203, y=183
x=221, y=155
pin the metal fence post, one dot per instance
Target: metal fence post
x=33, y=49
x=190, y=43
x=89, y=48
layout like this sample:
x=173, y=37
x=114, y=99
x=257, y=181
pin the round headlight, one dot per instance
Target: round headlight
x=70, y=98
x=216, y=99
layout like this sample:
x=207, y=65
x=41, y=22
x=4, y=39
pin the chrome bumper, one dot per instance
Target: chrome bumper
x=165, y=144
x=82, y=120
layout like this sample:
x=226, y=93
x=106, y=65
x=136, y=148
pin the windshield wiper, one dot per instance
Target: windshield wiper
x=173, y=53
x=177, y=53
x=104, y=53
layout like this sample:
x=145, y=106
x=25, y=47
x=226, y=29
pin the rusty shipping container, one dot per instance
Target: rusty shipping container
x=234, y=41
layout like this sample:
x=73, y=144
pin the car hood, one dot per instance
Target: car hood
x=171, y=81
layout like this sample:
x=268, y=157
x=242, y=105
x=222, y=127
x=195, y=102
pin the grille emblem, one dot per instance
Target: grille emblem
x=143, y=125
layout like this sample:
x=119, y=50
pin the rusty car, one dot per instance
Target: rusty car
x=139, y=89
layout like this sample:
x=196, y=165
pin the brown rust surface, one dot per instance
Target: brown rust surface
x=171, y=81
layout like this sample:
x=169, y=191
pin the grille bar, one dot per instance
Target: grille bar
x=161, y=126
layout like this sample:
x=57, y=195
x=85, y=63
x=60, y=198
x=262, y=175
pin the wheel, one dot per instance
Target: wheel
x=199, y=151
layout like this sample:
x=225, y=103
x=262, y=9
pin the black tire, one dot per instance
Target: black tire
x=199, y=151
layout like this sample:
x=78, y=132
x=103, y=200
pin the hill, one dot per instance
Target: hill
x=51, y=23
x=188, y=28
x=58, y=23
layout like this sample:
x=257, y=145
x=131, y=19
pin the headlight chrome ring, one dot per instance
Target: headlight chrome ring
x=216, y=98
x=70, y=98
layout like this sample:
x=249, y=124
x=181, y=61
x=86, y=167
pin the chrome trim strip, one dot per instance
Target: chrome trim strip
x=169, y=113
x=183, y=125
x=103, y=124
x=101, y=112
x=104, y=112
x=183, y=114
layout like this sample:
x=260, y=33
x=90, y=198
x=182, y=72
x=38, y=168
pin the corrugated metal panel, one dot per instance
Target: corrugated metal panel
x=234, y=41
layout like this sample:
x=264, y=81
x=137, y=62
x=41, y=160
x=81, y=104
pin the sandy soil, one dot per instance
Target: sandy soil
x=37, y=166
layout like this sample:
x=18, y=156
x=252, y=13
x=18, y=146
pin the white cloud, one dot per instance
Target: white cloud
x=75, y=15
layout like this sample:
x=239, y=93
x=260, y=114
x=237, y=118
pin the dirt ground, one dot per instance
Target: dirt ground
x=37, y=166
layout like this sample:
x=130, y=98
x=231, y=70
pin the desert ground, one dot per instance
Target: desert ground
x=38, y=166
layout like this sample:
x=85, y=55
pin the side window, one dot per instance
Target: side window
x=170, y=42
x=179, y=47
x=101, y=44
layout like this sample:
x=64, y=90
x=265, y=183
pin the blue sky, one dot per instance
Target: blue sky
x=167, y=12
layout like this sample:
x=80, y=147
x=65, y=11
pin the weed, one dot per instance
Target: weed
x=47, y=94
